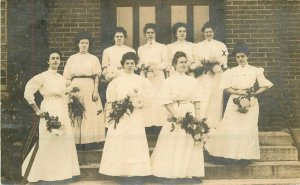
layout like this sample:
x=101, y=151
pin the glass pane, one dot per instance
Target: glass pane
x=178, y=14
x=201, y=15
x=125, y=19
x=147, y=15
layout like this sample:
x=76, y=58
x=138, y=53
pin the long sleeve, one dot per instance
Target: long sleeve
x=224, y=55
x=105, y=58
x=164, y=57
x=67, y=70
x=165, y=93
x=111, y=94
x=32, y=87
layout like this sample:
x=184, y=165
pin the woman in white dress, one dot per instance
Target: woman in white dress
x=83, y=70
x=56, y=157
x=176, y=154
x=211, y=50
x=180, y=32
x=236, y=137
x=126, y=150
x=154, y=55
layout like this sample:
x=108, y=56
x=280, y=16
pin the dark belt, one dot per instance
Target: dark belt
x=92, y=77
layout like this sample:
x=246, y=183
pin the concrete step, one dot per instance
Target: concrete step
x=257, y=170
x=152, y=181
x=268, y=153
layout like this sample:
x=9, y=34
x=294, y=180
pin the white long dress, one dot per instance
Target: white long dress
x=154, y=53
x=183, y=46
x=56, y=158
x=126, y=150
x=80, y=69
x=212, y=106
x=236, y=136
x=176, y=155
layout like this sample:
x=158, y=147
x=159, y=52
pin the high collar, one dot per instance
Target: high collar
x=151, y=42
x=51, y=71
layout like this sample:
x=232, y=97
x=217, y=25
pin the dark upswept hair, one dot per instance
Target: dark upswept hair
x=150, y=25
x=120, y=30
x=179, y=25
x=83, y=35
x=129, y=56
x=53, y=50
x=208, y=25
x=240, y=48
x=177, y=55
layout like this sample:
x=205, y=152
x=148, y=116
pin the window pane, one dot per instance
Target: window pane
x=125, y=19
x=178, y=14
x=201, y=15
x=147, y=15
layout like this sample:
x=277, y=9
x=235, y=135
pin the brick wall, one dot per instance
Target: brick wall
x=3, y=48
x=272, y=31
x=67, y=18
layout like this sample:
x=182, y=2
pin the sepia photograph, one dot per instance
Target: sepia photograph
x=150, y=92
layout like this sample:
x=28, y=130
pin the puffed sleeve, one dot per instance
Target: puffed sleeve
x=67, y=70
x=195, y=53
x=226, y=79
x=32, y=87
x=111, y=93
x=224, y=55
x=96, y=66
x=105, y=58
x=165, y=94
x=197, y=92
x=261, y=79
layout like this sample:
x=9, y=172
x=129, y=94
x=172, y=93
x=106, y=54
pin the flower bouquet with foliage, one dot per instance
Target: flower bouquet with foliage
x=213, y=66
x=125, y=106
x=244, y=102
x=145, y=69
x=110, y=74
x=76, y=107
x=197, y=129
x=52, y=122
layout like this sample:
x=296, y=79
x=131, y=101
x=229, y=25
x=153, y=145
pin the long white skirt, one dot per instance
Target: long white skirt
x=92, y=126
x=126, y=150
x=176, y=155
x=236, y=137
x=56, y=158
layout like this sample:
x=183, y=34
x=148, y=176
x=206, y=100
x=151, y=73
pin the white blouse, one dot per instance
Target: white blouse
x=120, y=87
x=49, y=83
x=112, y=55
x=184, y=46
x=154, y=53
x=82, y=65
x=245, y=77
x=180, y=87
x=211, y=50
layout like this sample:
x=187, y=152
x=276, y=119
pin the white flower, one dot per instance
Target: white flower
x=217, y=69
x=197, y=137
x=111, y=73
x=245, y=103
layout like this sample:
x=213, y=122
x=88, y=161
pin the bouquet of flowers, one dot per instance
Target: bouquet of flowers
x=244, y=102
x=197, y=129
x=210, y=65
x=52, y=122
x=125, y=106
x=76, y=107
x=110, y=74
x=146, y=71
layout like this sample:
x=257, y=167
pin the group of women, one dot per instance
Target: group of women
x=172, y=89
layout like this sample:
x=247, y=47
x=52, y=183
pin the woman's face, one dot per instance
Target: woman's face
x=119, y=38
x=54, y=61
x=181, y=33
x=150, y=34
x=83, y=45
x=129, y=66
x=209, y=34
x=181, y=65
x=241, y=59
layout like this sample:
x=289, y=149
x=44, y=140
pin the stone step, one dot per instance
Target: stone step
x=257, y=170
x=268, y=153
x=152, y=181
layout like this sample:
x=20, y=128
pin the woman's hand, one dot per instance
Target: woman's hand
x=95, y=95
x=40, y=113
